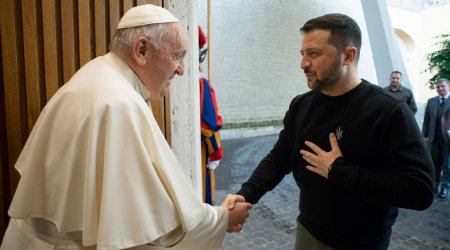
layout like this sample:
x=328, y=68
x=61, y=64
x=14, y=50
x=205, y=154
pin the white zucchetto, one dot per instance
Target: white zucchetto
x=144, y=15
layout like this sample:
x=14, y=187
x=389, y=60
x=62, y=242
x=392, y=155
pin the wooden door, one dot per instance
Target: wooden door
x=43, y=43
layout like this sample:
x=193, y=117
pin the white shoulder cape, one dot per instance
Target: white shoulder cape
x=97, y=162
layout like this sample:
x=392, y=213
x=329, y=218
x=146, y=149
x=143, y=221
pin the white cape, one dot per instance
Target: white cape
x=97, y=162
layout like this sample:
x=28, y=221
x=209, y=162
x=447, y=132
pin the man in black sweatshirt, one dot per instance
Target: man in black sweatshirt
x=355, y=151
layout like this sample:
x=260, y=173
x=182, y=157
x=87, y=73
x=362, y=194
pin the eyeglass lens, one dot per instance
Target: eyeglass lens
x=203, y=55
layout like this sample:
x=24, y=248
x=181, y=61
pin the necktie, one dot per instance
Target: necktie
x=443, y=100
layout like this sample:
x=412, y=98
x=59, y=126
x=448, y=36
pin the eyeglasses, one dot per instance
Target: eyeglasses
x=177, y=57
x=202, y=55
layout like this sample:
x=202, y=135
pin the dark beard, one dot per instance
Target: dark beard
x=332, y=78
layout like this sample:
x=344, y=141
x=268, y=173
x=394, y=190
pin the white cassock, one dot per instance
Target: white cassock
x=97, y=166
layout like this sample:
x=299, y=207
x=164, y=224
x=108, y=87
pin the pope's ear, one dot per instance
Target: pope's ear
x=140, y=50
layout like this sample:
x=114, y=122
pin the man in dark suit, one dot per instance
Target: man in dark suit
x=434, y=131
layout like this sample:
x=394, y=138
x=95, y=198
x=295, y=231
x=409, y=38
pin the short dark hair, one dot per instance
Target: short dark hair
x=440, y=80
x=396, y=72
x=344, y=31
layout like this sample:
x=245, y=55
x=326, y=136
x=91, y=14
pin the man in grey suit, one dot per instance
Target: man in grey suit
x=434, y=131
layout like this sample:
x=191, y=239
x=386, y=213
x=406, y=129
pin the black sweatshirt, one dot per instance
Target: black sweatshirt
x=385, y=165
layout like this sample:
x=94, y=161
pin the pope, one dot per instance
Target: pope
x=96, y=171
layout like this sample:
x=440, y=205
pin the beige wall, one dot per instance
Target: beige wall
x=415, y=31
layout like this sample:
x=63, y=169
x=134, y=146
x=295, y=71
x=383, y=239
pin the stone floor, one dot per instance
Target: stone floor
x=271, y=224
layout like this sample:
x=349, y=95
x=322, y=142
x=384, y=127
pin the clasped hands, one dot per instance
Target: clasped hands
x=237, y=210
x=319, y=160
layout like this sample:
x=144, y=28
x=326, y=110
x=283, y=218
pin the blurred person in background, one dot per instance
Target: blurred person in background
x=400, y=91
x=211, y=123
x=434, y=131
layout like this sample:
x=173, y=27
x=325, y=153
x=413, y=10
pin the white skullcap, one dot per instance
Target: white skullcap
x=145, y=14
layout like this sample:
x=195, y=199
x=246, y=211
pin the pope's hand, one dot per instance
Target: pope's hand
x=237, y=210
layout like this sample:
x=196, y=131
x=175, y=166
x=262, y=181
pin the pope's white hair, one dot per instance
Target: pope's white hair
x=123, y=38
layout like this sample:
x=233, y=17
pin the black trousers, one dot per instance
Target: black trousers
x=439, y=151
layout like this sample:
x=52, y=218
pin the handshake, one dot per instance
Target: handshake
x=237, y=210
